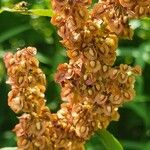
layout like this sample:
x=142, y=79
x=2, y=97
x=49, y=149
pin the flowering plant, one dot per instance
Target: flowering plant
x=92, y=87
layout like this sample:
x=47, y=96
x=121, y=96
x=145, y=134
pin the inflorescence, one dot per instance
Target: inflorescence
x=92, y=88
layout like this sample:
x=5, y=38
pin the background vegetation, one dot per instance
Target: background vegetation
x=16, y=30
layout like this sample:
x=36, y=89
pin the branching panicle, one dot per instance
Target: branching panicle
x=92, y=88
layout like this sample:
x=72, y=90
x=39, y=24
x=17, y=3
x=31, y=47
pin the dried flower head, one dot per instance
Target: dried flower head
x=91, y=87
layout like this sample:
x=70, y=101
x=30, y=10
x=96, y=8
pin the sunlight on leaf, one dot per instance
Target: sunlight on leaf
x=9, y=148
x=35, y=12
x=1, y=10
x=42, y=12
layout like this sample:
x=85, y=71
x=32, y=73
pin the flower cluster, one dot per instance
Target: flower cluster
x=27, y=81
x=89, y=79
x=92, y=88
x=27, y=97
x=116, y=13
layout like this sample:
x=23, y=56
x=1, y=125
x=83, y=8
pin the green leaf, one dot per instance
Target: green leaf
x=1, y=10
x=41, y=12
x=94, y=143
x=35, y=12
x=109, y=141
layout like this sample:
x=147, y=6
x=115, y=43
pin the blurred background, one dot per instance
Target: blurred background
x=18, y=31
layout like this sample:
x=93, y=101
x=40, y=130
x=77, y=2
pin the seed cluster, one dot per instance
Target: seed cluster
x=92, y=88
x=116, y=13
x=27, y=98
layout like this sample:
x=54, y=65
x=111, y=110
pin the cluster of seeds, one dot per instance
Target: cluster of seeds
x=92, y=88
x=27, y=98
x=116, y=13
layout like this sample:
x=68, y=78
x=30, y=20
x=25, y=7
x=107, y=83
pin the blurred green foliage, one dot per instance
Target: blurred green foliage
x=16, y=30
